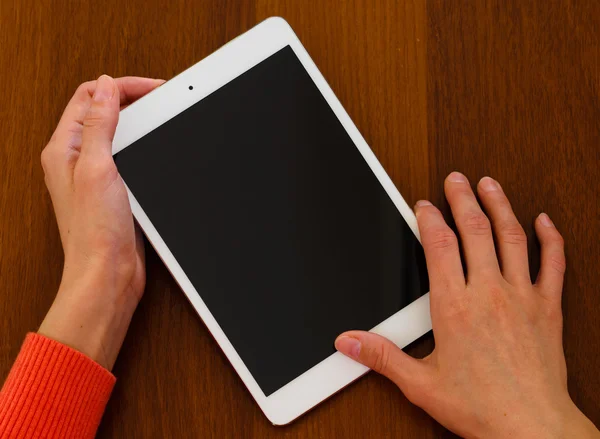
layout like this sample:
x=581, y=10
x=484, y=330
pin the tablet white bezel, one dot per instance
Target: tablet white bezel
x=164, y=103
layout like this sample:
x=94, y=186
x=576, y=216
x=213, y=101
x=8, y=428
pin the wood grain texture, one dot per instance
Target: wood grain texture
x=514, y=92
x=505, y=88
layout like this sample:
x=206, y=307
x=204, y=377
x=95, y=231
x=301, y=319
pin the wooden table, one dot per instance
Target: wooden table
x=504, y=88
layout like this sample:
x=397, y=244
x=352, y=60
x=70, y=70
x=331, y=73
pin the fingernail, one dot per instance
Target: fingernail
x=348, y=346
x=105, y=89
x=545, y=220
x=489, y=184
x=457, y=177
x=421, y=203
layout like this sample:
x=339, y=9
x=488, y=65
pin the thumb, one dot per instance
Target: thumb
x=100, y=121
x=383, y=356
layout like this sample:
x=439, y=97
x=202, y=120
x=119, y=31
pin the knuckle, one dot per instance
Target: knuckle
x=456, y=310
x=94, y=119
x=104, y=170
x=442, y=238
x=45, y=159
x=382, y=359
x=547, y=310
x=558, y=263
x=48, y=157
x=512, y=233
x=83, y=88
x=476, y=223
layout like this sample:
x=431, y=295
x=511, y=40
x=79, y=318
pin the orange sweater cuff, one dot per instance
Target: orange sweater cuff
x=53, y=391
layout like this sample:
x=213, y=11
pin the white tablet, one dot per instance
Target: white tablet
x=274, y=216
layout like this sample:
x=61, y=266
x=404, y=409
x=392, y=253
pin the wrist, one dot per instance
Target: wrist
x=90, y=317
x=563, y=420
x=578, y=425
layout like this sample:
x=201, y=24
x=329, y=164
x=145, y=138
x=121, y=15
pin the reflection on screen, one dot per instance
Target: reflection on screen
x=276, y=219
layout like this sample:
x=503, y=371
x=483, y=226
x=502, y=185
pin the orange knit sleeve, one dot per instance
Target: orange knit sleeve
x=53, y=391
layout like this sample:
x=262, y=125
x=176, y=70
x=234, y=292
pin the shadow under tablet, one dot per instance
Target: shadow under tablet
x=276, y=219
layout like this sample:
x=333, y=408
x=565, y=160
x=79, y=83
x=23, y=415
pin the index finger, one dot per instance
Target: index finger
x=131, y=88
x=62, y=152
x=441, y=250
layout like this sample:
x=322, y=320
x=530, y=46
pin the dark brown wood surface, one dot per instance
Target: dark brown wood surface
x=504, y=88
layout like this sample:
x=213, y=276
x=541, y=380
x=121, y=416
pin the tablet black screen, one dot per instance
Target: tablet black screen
x=276, y=218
